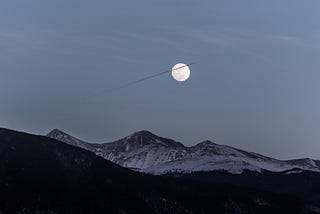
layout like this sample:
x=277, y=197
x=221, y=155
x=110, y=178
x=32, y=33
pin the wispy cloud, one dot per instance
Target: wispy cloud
x=160, y=40
x=231, y=37
x=293, y=40
x=152, y=38
x=253, y=43
x=30, y=41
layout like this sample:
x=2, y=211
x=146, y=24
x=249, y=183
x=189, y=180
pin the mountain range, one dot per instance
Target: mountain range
x=39, y=174
x=207, y=161
x=146, y=152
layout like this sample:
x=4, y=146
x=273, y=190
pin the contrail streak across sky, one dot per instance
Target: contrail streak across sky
x=97, y=94
x=147, y=78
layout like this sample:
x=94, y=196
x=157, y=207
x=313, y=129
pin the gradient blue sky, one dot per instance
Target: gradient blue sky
x=255, y=87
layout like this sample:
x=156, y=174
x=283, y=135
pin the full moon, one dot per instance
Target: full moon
x=180, y=72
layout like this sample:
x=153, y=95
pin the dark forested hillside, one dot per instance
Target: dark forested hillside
x=40, y=174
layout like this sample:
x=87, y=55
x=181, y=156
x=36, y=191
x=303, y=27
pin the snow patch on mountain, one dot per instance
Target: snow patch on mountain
x=146, y=152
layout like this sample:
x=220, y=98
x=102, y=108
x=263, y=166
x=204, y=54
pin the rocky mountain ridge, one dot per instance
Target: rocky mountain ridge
x=147, y=152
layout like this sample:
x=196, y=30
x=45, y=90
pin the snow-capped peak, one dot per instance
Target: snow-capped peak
x=144, y=133
x=56, y=132
x=206, y=143
x=144, y=138
x=66, y=138
x=147, y=152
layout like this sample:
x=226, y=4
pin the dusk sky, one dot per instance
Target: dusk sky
x=255, y=86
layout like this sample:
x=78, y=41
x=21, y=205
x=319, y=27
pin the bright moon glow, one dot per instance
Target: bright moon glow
x=180, y=72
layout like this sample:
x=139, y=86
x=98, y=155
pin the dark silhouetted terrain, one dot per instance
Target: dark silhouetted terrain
x=40, y=174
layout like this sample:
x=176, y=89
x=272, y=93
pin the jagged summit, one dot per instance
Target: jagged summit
x=55, y=132
x=59, y=135
x=145, y=137
x=147, y=152
x=206, y=143
x=143, y=133
x=66, y=138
